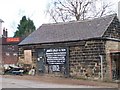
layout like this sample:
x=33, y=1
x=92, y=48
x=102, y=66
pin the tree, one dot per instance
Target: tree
x=66, y=10
x=25, y=27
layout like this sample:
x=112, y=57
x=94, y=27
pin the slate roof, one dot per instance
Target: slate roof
x=69, y=31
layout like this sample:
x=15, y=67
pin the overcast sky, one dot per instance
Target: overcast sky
x=11, y=12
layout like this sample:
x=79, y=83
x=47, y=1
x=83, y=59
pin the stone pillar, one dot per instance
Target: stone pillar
x=109, y=67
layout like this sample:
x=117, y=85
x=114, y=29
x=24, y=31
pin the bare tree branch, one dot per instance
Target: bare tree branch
x=65, y=10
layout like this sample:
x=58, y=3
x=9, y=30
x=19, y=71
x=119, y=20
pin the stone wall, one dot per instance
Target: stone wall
x=85, y=59
x=111, y=47
x=113, y=31
x=21, y=55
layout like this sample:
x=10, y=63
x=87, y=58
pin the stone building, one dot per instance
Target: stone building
x=83, y=49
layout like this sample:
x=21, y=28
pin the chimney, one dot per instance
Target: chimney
x=6, y=33
x=3, y=32
x=1, y=21
x=119, y=10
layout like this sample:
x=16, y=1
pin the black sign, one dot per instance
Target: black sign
x=56, y=56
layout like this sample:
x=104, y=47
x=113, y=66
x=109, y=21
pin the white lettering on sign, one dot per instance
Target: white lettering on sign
x=55, y=68
x=56, y=56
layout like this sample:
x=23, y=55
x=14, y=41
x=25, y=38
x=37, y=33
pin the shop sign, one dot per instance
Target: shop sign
x=13, y=39
x=56, y=56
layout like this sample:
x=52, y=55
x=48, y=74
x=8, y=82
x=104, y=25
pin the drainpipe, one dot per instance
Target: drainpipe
x=101, y=64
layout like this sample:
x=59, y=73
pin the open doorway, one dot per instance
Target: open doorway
x=115, y=57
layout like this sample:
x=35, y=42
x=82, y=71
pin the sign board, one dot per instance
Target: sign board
x=13, y=39
x=56, y=56
x=55, y=68
x=27, y=57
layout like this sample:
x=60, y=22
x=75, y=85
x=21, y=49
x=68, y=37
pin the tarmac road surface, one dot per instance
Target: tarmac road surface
x=14, y=83
x=17, y=84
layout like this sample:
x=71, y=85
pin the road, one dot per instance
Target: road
x=16, y=83
x=32, y=84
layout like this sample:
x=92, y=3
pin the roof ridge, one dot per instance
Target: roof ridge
x=81, y=21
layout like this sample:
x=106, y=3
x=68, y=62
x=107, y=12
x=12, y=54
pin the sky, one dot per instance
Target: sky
x=11, y=12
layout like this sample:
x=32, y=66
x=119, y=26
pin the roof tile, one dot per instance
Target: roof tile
x=69, y=31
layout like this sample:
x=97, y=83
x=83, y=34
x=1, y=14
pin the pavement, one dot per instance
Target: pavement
x=58, y=82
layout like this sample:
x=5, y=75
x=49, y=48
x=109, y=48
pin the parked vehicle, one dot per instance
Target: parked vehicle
x=14, y=71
